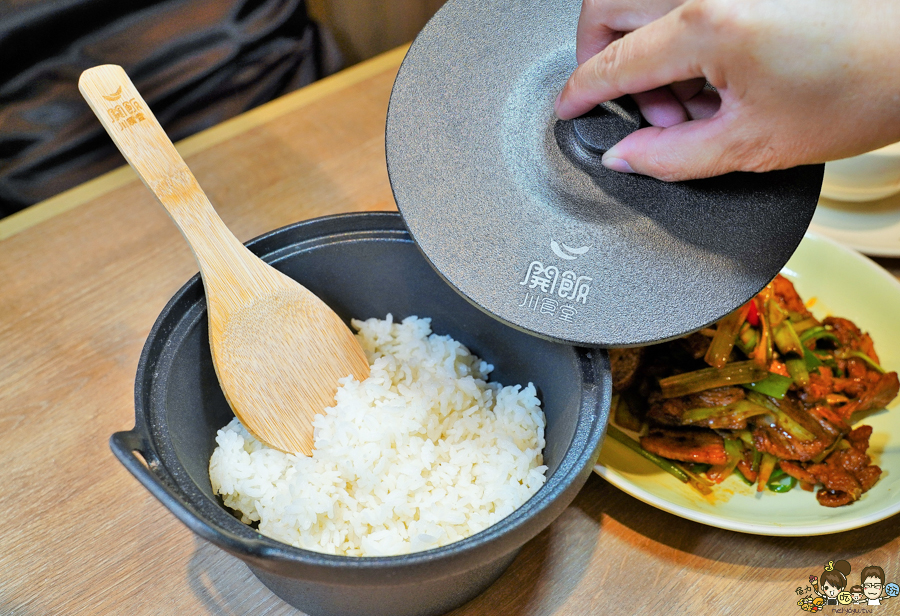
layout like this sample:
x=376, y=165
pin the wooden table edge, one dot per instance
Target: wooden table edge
x=90, y=190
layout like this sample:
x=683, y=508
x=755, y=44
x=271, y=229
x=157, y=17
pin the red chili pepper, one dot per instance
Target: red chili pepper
x=753, y=315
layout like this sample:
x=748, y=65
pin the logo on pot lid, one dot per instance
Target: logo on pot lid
x=555, y=292
x=564, y=252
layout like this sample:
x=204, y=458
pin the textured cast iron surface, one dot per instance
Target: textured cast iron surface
x=362, y=265
x=493, y=190
x=323, y=599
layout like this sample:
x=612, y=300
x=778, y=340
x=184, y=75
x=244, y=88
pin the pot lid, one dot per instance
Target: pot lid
x=513, y=208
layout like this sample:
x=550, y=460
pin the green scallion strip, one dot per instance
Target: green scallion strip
x=782, y=419
x=766, y=466
x=796, y=366
x=720, y=473
x=747, y=339
x=698, y=482
x=735, y=373
x=745, y=436
x=632, y=444
x=726, y=333
x=802, y=416
x=736, y=411
x=802, y=325
x=828, y=360
x=786, y=338
x=847, y=354
x=811, y=359
x=818, y=333
x=774, y=385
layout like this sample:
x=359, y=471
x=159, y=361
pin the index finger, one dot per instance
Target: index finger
x=593, y=35
x=603, y=21
x=658, y=54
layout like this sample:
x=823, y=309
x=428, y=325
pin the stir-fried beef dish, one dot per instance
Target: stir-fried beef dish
x=769, y=392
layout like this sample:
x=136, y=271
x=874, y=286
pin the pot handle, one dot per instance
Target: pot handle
x=123, y=446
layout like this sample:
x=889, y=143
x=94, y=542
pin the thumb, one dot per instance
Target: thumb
x=687, y=151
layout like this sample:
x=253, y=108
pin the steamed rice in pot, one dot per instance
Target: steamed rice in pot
x=422, y=453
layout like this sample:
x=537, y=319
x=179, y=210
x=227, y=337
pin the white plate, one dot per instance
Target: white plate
x=871, y=227
x=843, y=283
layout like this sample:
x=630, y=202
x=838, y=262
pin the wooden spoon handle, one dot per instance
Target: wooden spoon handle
x=141, y=139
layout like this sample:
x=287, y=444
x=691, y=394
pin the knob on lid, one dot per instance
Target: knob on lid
x=513, y=208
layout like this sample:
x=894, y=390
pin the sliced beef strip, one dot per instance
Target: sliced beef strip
x=669, y=411
x=688, y=445
x=876, y=395
x=787, y=295
x=625, y=365
x=846, y=473
x=769, y=439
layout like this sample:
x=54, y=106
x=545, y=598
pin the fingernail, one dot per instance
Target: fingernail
x=616, y=164
x=556, y=104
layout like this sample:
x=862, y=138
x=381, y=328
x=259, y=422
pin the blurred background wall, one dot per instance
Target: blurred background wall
x=364, y=28
x=196, y=62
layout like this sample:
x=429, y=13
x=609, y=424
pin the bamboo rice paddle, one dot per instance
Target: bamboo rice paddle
x=278, y=350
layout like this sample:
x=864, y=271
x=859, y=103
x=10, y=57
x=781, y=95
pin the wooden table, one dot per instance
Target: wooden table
x=84, y=275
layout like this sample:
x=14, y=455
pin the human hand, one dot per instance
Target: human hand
x=797, y=81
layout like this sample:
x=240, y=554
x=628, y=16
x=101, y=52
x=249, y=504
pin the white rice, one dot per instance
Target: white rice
x=422, y=453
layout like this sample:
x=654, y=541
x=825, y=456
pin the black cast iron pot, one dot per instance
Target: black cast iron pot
x=362, y=265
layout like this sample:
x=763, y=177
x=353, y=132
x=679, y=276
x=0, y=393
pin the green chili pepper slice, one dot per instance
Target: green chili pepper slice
x=782, y=483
